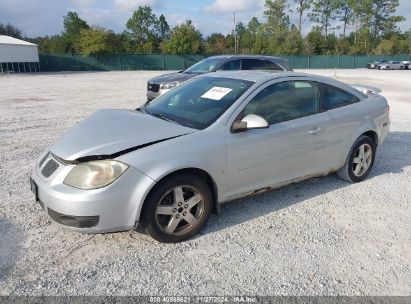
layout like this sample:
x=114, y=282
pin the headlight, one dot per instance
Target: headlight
x=95, y=174
x=169, y=85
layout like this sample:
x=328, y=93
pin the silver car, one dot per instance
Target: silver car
x=391, y=65
x=168, y=165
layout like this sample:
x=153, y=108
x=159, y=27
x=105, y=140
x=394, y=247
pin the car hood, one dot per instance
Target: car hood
x=110, y=133
x=170, y=77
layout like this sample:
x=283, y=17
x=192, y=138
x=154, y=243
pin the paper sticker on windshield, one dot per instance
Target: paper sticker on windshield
x=216, y=93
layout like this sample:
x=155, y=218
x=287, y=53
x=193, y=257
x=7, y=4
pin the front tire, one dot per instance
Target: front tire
x=177, y=208
x=360, y=160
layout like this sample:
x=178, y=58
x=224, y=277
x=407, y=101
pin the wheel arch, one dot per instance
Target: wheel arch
x=372, y=134
x=189, y=170
x=369, y=129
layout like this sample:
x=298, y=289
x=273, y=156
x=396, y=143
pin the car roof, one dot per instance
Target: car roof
x=256, y=76
x=260, y=77
x=247, y=57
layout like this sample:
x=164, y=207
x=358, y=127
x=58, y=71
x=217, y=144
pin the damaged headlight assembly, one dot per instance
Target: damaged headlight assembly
x=95, y=174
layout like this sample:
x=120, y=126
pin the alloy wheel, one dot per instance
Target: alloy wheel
x=362, y=160
x=180, y=210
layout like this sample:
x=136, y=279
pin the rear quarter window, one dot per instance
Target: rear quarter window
x=259, y=64
x=233, y=65
x=333, y=97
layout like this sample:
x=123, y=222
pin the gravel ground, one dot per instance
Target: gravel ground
x=319, y=237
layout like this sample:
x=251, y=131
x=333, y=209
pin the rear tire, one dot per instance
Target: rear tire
x=360, y=160
x=177, y=208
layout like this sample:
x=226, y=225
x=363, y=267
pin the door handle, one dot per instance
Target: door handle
x=316, y=130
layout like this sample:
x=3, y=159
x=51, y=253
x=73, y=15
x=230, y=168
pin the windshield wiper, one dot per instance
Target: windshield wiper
x=163, y=117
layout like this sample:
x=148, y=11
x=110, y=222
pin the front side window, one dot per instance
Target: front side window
x=233, y=65
x=258, y=64
x=199, y=102
x=204, y=66
x=284, y=101
x=332, y=97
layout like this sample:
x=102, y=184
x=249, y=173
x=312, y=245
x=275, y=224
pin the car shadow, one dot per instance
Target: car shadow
x=392, y=157
x=10, y=239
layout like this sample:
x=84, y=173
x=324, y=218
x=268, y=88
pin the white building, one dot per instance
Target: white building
x=18, y=55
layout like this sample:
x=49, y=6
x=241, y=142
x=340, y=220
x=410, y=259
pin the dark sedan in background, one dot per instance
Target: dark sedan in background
x=159, y=85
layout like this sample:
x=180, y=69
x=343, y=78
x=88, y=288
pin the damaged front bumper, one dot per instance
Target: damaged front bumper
x=115, y=207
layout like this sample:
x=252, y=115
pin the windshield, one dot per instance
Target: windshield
x=199, y=102
x=203, y=66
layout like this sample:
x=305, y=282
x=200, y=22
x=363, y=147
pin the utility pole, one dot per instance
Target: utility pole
x=235, y=35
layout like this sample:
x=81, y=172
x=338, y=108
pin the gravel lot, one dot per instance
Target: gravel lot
x=319, y=237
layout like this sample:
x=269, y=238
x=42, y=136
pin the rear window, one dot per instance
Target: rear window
x=333, y=97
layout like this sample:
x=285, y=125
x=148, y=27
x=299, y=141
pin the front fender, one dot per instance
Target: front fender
x=202, y=150
x=164, y=169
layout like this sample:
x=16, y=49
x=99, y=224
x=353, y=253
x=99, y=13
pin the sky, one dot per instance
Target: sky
x=45, y=17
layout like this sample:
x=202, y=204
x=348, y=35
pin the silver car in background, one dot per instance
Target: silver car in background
x=391, y=65
x=159, y=85
x=215, y=138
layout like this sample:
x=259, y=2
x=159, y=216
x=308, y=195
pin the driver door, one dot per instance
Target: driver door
x=292, y=146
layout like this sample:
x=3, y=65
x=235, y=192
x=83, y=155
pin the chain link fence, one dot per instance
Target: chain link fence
x=131, y=62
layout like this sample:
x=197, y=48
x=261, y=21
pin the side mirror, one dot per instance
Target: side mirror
x=249, y=122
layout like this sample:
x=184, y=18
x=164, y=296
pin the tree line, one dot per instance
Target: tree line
x=339, y=27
